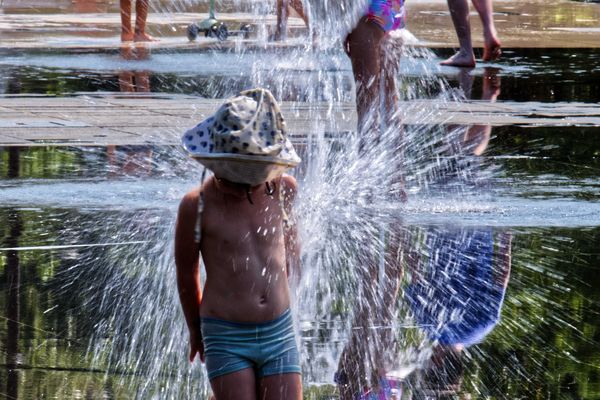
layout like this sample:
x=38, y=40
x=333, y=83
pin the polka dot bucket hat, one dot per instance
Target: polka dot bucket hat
x=245, y=141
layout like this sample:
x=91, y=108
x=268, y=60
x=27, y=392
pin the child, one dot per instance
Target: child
x=141, y=11
x=241, y=326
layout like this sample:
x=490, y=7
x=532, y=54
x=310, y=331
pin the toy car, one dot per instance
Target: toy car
x=212, y=27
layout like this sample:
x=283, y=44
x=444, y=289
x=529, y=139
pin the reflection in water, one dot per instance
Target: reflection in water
x=131, y=161
x=13, y=305
x=78, y=293
x=371, y=349
x=136, y=80
x=456, y=297
x=477, y=136
x=456, y=281
x=524, y=74
x=14, y=162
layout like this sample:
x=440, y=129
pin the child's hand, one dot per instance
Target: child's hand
x=196, y=347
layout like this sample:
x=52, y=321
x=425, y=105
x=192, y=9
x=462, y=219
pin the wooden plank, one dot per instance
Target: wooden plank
x=132, y=119
x=72, y=135
x=145, y=119
x=6, y=140
x=25, y=123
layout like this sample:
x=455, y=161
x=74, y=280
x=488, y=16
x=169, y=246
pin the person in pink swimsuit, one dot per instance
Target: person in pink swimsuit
x=370, y=64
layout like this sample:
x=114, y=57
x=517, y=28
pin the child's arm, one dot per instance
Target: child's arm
x=187, y=259
x=292, y=241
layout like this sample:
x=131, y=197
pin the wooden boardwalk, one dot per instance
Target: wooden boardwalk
x=100, y=119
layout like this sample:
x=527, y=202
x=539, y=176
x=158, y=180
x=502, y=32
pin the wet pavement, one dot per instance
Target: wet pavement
x=532, y=24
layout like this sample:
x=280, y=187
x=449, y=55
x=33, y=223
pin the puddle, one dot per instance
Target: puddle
x=526, y=74
x=87, y=288
x=548, y=330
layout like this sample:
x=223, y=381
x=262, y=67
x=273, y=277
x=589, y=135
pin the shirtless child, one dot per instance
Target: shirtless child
x=239, y=221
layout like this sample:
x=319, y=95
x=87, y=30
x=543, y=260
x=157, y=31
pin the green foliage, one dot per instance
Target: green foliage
x=41, y=162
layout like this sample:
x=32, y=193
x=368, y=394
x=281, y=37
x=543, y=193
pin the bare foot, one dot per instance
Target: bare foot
x=492, y=49
x=275, y=37
x=126, y=36
x=461, y=59
x=143, y=37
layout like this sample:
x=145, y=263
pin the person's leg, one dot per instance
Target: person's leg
x=363, y=46
x=283, y=13
x=459, y=10
x=297, y=6
x=282, y=17
x=283, y=386
x=239, y=385
x=141, y=15
x=492, y=45
x=390, y=65
x=126, y=30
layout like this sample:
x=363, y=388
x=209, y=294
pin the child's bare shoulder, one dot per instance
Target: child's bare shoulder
x=188, y=207
x=189, y=202
x=289, y=182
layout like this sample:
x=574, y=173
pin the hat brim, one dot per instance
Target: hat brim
x=241, y=168
x=247, y=158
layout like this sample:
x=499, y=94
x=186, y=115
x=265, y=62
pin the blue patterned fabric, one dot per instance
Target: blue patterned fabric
x=388, y=14
x=458, y=296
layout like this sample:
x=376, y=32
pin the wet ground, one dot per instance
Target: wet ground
x=84, y=230
x=88, y=306
x=34, y=24
x=523, y=73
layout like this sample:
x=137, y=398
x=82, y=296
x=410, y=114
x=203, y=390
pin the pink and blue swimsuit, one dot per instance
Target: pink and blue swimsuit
x=388, y=14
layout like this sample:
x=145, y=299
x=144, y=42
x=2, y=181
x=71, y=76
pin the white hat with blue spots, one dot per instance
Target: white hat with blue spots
x=245, y=141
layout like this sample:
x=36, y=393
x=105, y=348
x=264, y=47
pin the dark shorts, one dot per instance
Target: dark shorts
x=269, y=348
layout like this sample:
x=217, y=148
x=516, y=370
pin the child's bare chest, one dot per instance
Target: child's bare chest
x=241, y=222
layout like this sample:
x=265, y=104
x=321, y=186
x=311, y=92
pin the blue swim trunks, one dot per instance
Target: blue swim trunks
x=269, y=348
x=388, y=14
